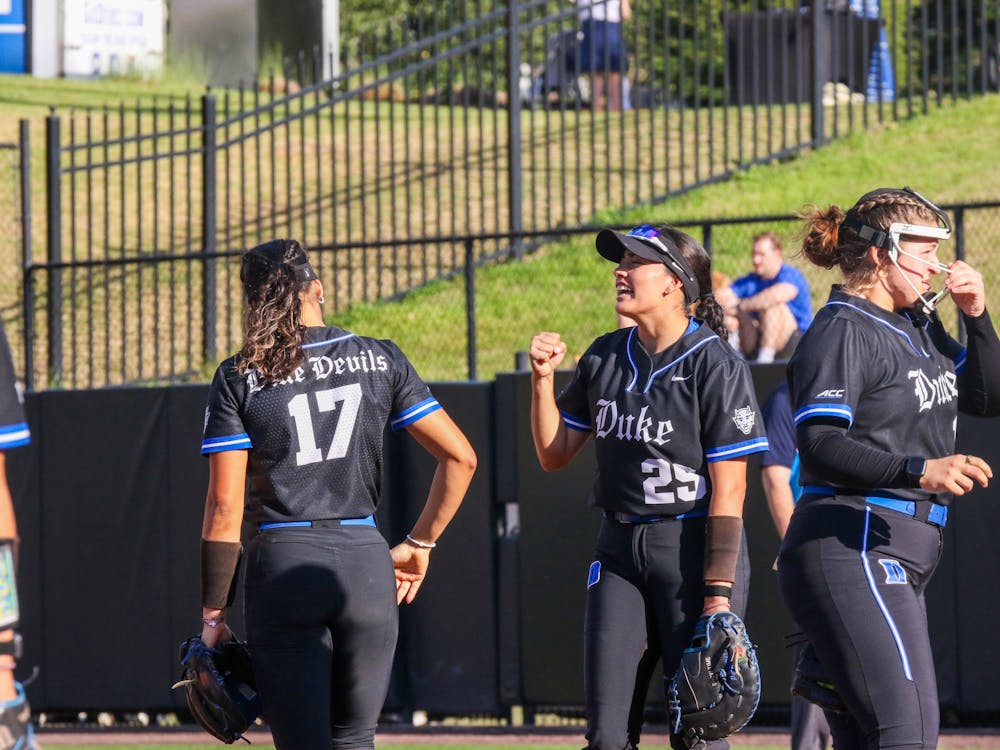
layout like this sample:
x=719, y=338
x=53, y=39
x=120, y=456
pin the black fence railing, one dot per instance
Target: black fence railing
x=474, y=121
x=441, y=331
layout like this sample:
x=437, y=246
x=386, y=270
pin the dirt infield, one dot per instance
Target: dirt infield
x=449, y=735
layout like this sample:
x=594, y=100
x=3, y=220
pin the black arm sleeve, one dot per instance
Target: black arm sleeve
x=979, y=381
x=826, y=450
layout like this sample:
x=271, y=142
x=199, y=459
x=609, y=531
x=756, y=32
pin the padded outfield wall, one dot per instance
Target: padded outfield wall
x=110, y=496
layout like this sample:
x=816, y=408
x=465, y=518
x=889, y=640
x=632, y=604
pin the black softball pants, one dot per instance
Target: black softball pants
x=853, y=577
x=322, y=623
x=643, y=588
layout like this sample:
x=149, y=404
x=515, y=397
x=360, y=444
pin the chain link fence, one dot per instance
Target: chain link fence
x=11, y=228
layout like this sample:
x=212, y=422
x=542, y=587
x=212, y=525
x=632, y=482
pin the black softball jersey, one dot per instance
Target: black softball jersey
x=658, y=421
x=896, y=381
x=315, y=438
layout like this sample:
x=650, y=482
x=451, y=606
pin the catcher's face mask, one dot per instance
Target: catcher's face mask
x=890, y=241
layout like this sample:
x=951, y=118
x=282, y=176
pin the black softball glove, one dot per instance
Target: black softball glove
x=219, y=686
x=812, y=683
x=716, y=688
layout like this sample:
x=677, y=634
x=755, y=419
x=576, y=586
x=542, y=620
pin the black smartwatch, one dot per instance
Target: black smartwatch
x=915, y=468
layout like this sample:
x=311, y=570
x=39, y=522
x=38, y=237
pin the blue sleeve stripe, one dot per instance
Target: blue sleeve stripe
x=227, y=443
x=574, y=423
x=757, y=445
x=14, y=435
x=415, y=412
x=960, y=361
x=841, y=411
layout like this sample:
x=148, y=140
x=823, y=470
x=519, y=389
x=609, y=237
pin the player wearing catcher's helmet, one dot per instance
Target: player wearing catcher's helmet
x=672, y=412
x=876, y=384
x=15, y=715
x=297, y=418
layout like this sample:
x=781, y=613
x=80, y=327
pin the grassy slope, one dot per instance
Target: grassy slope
x=565, y=287
x=948, y=155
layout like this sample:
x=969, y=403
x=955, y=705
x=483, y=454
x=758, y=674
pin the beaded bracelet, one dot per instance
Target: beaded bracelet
x=418, y=543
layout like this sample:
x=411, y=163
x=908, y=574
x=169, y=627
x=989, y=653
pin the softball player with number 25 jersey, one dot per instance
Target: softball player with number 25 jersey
x=671, y=409
x=876, y=384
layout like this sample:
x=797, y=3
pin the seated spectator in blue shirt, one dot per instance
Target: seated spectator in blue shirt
x=772, y=303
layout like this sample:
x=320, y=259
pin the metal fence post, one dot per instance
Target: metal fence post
x=960, y=255
x=470, y=307
x=514, y=176
x=208, y=226
x=820, y=65
x=53, y=210
x=28, y=288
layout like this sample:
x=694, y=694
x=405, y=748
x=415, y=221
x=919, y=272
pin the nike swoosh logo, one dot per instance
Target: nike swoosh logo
x=678, y=377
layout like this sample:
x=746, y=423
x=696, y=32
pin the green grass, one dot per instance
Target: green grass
x=566, y=287
x=947, y=155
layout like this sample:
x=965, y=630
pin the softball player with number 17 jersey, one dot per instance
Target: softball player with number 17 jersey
x=876, y=383
x=671, y=409
x=298, y=417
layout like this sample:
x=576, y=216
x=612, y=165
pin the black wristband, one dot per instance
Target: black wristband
x=717, y=589
x=220, y=565
x=723, y=538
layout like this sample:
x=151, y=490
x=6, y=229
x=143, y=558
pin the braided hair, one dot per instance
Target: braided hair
x=828, y=242
x=706, y=307
x=272, y=314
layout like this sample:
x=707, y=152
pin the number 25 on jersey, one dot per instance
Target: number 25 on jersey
x=670, y=483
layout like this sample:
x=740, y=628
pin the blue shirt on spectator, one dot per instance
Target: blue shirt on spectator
x=800, y=305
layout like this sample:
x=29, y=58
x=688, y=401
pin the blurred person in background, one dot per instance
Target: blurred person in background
x=771, y=303
x=602, y=52
x=779, y=475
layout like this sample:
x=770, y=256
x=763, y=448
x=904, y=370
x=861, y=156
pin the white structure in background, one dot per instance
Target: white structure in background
x=112, y=37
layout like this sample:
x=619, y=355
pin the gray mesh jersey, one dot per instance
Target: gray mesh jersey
x=890, y=377
x=13, y=425
x=315, y=438
x=658, y=421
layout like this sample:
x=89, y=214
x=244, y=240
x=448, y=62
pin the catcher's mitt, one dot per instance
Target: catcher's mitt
x=716, y=688
x=219, y=686
x=811, y=682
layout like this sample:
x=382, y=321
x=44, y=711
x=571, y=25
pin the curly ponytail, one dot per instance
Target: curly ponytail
x=706, y=307
x=272, y=314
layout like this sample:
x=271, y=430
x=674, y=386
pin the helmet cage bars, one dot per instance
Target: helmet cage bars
x=889, y=240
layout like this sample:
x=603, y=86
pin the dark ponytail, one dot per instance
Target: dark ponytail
x=706, y=307
x=709, y=310
x=272, y=313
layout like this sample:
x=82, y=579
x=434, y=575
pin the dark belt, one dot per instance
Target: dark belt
x=322, y=523
x=635, y=518
x=931, y=512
